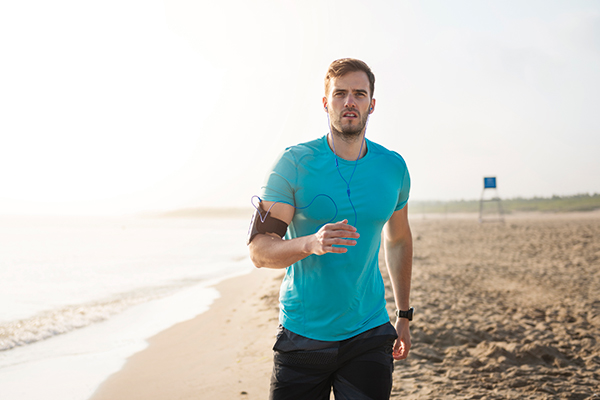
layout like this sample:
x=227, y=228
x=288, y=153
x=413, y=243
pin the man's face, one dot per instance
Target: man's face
x=349, y=103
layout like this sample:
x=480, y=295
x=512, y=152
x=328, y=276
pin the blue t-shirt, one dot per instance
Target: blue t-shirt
x=336, y=296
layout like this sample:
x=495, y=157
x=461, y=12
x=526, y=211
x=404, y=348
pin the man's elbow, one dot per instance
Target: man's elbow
x=259, y=248
x=255, y=256
x=403, y=239
x=403, y=244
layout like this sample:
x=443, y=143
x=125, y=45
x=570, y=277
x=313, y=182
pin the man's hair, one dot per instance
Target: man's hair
x=345, y=65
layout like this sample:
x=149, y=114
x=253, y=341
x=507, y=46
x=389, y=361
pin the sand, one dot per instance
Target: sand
x=504, y=311
x=507, y=311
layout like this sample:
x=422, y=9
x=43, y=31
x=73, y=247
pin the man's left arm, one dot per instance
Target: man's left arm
x=398, y=257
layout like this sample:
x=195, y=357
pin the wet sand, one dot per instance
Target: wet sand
x=504, y=311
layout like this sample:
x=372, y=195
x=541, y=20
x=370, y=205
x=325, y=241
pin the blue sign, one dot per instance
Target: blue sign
x=489, y=182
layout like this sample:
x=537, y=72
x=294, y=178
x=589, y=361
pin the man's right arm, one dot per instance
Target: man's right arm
x=268, y=250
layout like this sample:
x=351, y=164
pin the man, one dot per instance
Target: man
x=335, y=330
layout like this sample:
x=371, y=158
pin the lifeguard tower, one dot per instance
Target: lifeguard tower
x=490, y=205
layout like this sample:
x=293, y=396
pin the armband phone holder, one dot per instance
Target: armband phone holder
x=268, y=224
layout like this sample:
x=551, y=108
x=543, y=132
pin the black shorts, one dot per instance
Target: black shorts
x=357, y=368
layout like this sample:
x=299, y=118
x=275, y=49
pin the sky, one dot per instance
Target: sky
x=129, y=106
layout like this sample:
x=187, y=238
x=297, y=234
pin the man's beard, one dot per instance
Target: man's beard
x=349, y=133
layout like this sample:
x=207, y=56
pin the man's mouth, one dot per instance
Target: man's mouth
x=350, y=114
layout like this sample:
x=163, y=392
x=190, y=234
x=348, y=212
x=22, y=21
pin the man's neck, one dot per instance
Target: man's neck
x=345, y=147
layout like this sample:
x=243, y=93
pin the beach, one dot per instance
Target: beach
x=503, y=311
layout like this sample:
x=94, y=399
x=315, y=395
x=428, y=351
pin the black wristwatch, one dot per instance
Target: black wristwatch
x=406, y=314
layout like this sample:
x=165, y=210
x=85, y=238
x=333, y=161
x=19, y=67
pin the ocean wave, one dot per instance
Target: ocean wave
x=66, y=319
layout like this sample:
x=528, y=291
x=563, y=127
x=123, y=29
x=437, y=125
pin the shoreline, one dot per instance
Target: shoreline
x=233, y=338
x=82, y=359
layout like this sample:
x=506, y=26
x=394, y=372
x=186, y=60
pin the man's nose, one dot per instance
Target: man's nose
x=350, y=101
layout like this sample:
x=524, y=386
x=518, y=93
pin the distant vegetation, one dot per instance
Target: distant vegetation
x=578, y=202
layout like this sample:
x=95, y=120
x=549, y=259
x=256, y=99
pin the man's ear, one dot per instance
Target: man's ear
x=372, y=108
x=325, y=104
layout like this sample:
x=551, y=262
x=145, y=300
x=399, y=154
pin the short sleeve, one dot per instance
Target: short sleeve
x=404, y=190
x=281, y=179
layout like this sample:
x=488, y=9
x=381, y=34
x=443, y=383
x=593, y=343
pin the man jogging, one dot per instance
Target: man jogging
x=323, y=208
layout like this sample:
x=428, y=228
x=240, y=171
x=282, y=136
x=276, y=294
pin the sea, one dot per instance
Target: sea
x=78, y=295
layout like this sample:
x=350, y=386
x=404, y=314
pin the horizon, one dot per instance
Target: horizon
x=237, y=211
x=185, y=105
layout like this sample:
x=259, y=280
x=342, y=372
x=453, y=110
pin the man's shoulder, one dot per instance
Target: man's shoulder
x=301, y=150
x=379, y=150
x=311, y=145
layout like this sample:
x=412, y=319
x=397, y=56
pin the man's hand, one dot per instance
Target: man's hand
x=402, y=344
x=338, y=234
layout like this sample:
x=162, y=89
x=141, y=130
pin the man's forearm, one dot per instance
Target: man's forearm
x=398, y=257
x=269, y=251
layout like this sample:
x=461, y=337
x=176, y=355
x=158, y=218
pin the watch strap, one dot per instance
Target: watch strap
x=406, y=314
